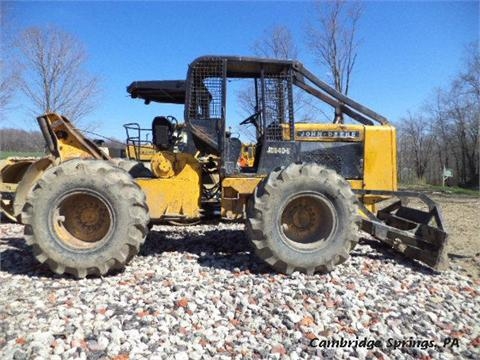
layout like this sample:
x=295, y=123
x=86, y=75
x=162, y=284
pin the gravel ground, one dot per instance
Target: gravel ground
x=462, y=219
x=197, y=292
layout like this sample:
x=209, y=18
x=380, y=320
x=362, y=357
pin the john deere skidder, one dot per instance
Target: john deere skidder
x=310, y=189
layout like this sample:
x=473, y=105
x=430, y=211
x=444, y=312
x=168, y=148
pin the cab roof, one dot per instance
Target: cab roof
x=249, y=67
x=163, y=91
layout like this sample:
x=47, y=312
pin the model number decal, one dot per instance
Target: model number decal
x=329, y=134
x=278, y=150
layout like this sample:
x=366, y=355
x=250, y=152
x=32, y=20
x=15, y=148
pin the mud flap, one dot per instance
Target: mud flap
x=416, y=233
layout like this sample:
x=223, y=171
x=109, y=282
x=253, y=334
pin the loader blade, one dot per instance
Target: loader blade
x=416, y=233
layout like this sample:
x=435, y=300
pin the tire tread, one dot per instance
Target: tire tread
x=113, y=176
x=259, y=204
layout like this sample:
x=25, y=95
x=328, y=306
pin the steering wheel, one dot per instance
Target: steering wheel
x=173, y=119
x=252, y=119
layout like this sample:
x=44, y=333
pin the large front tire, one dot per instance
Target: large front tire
x=303, y=218
x=85, y=217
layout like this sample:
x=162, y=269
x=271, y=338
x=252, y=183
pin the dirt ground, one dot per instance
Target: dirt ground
x=462, y=222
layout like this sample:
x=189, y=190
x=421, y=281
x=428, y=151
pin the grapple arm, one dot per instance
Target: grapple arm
x=418, y=234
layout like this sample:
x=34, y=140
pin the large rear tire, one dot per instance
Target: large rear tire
x=303, y=218
x=85, y=217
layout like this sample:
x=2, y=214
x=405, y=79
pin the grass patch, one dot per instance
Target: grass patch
x=5, y=154
x=455, y=190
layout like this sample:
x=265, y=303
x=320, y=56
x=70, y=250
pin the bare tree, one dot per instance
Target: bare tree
x=53, y=73
x=333, y=39
x=8, y=68
x=447, y=134
x=442, y=128
x=464, y=111
x=277, y=42
x=456, y=115
x=471, y=75
x=416, y=143
x=7, y=81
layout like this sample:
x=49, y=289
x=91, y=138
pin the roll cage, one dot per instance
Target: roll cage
x=204, y=95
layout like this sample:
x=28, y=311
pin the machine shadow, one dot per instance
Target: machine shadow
x=385, y=253
x=220, y=249
x=230, y=250
x=19, y=260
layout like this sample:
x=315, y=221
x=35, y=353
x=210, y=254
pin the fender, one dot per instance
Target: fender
x=34, y=172
x=11, y=173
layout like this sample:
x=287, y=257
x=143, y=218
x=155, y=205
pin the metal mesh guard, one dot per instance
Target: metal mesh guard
x=277, y=105
x=206, y=92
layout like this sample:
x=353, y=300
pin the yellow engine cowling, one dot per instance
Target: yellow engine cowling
x=175, y=191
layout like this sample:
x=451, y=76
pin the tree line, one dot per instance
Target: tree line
x=444, y=133
x=18, y=140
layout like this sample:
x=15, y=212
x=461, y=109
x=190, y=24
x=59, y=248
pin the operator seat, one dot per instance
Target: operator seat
x=162, y=132
x=234, y=147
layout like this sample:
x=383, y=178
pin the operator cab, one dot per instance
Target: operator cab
x=271, y=117
x=279, y=140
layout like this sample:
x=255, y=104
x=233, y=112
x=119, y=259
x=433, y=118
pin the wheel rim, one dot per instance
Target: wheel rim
x=308, y=221
x=82, y=219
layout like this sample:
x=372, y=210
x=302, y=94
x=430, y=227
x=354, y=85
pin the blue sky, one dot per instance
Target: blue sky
x=407, y=48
